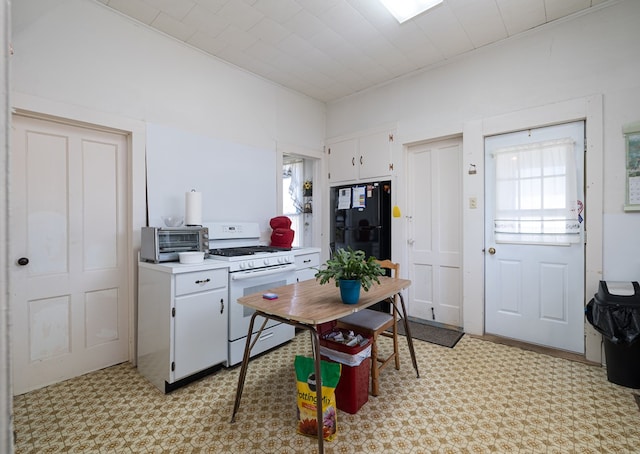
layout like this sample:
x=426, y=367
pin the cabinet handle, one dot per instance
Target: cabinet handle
x=221, y=305
x=203, y=281
x=306, y=261
x=353, y=161
x=360, y=160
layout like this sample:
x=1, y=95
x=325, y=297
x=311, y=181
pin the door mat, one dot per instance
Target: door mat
x=431, y=333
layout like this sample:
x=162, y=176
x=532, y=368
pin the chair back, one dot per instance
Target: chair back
x=388, y=264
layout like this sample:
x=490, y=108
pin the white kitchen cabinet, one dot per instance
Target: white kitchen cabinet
x=182, y=320
x=342, y=160
x=363, y=158
x=307, y=262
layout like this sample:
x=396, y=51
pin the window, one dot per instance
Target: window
x=292, y=203
x=537, y=193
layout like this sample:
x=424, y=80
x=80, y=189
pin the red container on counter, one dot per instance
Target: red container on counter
x=352, y=391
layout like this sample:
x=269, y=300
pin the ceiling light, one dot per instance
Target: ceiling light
x=403, y=10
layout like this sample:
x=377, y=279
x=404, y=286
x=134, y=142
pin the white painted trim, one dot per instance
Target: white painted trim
x=6, y=375
x=391, y=126
x=318, y=173
x=136, y=209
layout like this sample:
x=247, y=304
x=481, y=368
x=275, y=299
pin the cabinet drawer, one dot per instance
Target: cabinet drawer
x=200, y=281
x=307, y=260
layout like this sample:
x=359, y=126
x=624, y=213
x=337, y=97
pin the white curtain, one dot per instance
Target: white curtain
x=292, y=206
x=537, y=198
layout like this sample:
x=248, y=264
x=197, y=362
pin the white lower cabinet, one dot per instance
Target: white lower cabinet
x=182, y=321
x=197, y=324
x=307, y=263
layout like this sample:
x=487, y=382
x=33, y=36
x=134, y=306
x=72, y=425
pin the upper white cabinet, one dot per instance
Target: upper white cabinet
x=342, y=160
x=362, y=158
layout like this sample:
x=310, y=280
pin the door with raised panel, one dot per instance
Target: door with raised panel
x=69, y=271
x=435, y=231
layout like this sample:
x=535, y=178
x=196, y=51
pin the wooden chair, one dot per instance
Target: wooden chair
x=375, y=323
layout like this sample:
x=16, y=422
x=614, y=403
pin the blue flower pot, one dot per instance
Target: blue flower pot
x=350, y=291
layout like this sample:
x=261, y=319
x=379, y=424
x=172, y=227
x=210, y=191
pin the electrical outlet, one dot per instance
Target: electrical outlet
x=473, y=203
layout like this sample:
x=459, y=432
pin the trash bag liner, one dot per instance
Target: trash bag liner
x=616, y=316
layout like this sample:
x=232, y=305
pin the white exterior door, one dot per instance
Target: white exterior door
x=534, y=240
x=69, y=303
x=434, y=231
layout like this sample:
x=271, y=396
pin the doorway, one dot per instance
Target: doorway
x=534, y=236
x=68, y=227
x=435, y=231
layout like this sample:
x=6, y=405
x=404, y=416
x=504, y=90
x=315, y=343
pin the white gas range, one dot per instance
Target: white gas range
x=253, y=268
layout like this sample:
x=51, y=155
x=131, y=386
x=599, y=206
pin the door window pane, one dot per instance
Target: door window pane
x=536, y=196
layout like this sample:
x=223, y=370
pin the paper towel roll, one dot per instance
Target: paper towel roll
x=193, y=208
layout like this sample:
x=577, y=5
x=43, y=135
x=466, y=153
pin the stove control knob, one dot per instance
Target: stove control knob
x=266, y=262
x=242, y=265
x=251, y=265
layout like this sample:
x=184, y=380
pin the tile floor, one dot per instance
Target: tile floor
x=479, y=397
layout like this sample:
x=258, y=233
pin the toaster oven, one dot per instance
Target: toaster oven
x=161, y=244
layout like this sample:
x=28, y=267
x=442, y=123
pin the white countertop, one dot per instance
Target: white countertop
x=305, y=250
x=177, y=267
x=208, y=264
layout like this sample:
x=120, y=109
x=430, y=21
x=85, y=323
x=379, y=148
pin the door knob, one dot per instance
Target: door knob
x=22, y=261
x=492, y=250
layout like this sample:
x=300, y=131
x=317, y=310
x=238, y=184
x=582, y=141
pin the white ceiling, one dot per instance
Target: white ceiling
x=328, y=49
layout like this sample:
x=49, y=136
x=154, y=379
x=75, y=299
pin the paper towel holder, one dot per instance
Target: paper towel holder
x=193, y=208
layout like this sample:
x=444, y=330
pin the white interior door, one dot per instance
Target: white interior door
x=534, y=240
x=434, y=231
x=69, y=303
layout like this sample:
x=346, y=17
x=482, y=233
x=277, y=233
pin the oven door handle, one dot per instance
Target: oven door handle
x=260, y=273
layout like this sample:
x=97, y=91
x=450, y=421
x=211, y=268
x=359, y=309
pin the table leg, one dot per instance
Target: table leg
x=243, y=368
x=409, y=338
x=315, y=340
x=319, y=416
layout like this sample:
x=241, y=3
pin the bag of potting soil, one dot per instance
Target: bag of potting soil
x=306, y=389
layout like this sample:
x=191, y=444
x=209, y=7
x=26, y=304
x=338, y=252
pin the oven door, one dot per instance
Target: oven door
x=243, y=283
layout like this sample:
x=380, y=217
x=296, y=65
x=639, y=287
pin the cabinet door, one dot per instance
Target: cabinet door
x=342, y=161
x=306, y=274
x=200, y=332
x=374, y=155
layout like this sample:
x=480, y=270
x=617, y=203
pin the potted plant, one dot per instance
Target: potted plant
x=350, y=270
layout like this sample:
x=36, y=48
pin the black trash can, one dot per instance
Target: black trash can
x=615, y=312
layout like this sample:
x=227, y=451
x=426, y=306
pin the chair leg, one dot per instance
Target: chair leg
x=374, y=367
x=313, y=345
x=396, y=353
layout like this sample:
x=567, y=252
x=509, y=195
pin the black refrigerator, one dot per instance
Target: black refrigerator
x=361, y=218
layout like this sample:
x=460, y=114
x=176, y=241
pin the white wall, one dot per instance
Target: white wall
x=588, y=60
x=79, y=60
x=84, y=56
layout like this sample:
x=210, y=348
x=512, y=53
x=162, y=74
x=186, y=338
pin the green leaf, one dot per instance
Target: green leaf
x=352, y=265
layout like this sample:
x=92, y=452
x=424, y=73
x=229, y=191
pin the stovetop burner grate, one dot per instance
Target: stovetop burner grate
x=246, y=250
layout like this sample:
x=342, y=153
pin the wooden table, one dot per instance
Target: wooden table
x=307, y=304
